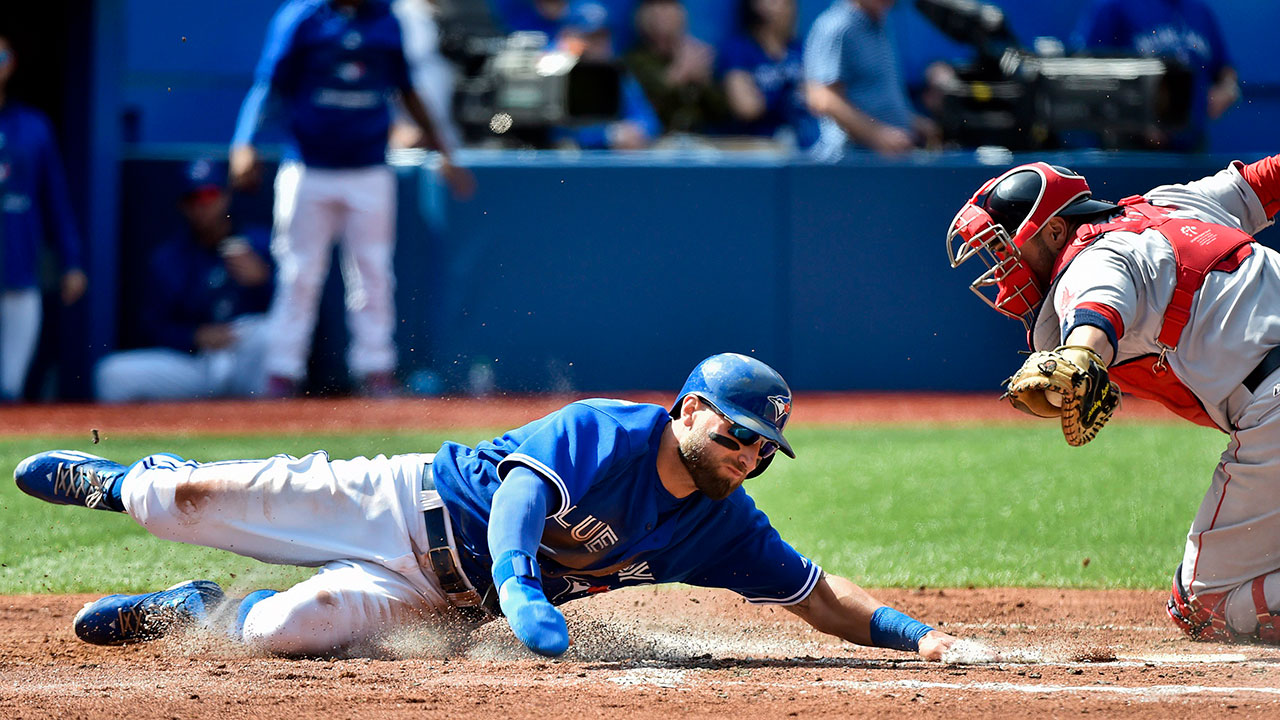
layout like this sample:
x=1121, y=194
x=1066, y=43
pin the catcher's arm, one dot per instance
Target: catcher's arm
x=1069, y=382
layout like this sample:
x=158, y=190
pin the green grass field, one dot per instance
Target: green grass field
x=938, y=506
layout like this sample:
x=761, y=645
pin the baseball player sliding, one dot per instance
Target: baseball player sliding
x=598, y=495
x=1166, y=296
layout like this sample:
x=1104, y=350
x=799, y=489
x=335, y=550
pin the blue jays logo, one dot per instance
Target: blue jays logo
x=781, y=408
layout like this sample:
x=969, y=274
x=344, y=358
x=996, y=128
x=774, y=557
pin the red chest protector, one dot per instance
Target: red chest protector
x=1198, y=248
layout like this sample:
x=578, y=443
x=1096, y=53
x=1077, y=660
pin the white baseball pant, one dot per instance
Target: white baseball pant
x=167, y=374
x=313, y=206
x=359, y=520
x=20, y=315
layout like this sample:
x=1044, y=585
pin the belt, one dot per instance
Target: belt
x=1270, y=363
x=443, y=557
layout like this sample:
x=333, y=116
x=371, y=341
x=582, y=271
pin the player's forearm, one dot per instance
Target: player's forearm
x=839, y=607
x=519, y=513
x=824, y=101
x=1094, y=338
x=413, y=105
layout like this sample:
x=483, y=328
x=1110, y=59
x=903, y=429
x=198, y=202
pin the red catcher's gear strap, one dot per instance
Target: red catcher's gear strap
x=1264, y=177
x=1198, y=248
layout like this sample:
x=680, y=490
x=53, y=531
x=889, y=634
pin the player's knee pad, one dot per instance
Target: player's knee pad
x=284, y=624
x=1203, y=617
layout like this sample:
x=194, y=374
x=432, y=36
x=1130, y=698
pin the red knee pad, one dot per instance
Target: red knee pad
x=1200, y=617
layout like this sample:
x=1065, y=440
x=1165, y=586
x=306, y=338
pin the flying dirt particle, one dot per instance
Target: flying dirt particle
x=94, y=433
x=1095, y=655
x=1084, y=563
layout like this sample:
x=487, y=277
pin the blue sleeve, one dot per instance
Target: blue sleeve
x=272, y=71
x=637, y=108
x=519, y=513
x=733, y=56
x=570, y=449
x=755, y=563
x=1221, y=57
x=164, y=300
x=823, y=53
x=1100, y=26
x=56, y=200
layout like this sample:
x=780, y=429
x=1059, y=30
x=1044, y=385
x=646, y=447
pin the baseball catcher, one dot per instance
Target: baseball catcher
x=1167, y=296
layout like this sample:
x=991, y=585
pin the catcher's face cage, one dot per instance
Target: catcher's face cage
x=1007, y=284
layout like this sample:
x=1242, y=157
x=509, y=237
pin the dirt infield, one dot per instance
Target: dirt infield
x=667, y=653
x=638, y=653
x=339, y=414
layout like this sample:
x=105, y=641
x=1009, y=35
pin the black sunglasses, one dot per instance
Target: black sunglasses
x=742, y=434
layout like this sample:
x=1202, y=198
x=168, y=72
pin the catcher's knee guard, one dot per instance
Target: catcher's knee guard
x=1203, y=617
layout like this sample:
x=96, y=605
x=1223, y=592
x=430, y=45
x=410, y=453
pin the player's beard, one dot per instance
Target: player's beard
x=708, y=476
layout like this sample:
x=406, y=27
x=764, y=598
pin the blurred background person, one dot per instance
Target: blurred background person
x=587, y=34
x=1181, y=30
x=34, y=207
x=204, y=312
x=433, y=76
x=333, y=65
x=676, y=70
x=854, y=83
x=763, y=71
x=544, y=16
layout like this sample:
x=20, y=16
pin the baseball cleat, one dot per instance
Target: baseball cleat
x=69, y=477
x=121, y=619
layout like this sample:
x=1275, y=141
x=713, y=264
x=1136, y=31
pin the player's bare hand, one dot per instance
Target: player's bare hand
x=934, y=643
x=74, y=283
x=245, y=266
x=460, y=180
x=214, y=336
x=890, y=140
x=244, y=169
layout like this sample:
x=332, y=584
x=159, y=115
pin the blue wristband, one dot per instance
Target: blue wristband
x=892, y=629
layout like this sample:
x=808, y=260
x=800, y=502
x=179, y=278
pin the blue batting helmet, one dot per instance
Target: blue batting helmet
x=746, y=391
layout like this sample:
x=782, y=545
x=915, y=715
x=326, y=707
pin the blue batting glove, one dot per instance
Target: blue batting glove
x=534, y=620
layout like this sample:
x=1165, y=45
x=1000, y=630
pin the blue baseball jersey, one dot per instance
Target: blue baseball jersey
x=612, y=523
x=34, y=204
x=189, y=286
x=1185, y=30
x=334, y=69
x=781, y=82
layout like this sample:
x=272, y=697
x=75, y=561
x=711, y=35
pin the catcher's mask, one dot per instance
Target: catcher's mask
x=1022, y=199
x=746, y=392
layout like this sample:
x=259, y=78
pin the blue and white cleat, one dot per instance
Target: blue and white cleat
x=121, y=619
x=70, y=477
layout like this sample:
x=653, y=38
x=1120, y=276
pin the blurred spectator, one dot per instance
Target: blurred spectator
x=854, y=84
x=333, y=65
x=1182, y=30
x=587, y=34
x=34, y=206
x=208, y=289
x=764, y=73
x=544, y=16
x=432, y=75
x=676, y=70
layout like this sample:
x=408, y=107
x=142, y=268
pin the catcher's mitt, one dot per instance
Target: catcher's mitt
x=1068, y=382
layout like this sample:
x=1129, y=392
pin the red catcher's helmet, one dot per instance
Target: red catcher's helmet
x=999, y=219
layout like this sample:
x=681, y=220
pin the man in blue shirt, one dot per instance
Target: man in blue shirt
x=599, y=495
x=34, y=206
x=204, y=311
x=333, y=66
x=1181, y=30
x=854, y=84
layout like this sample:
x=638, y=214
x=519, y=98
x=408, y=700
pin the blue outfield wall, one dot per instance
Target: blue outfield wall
x=596, y=272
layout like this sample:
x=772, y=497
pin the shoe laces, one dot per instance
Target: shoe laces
x=97, y=495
